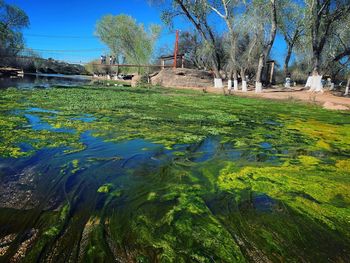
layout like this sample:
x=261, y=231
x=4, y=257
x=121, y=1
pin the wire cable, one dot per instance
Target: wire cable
x=59, y=36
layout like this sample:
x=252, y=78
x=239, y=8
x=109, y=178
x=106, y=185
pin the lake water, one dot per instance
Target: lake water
x=44, y=81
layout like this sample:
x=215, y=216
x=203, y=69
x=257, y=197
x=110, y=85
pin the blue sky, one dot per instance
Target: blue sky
x=77, y=18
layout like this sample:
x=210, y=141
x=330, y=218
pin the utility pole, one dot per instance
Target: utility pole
x=176, y=48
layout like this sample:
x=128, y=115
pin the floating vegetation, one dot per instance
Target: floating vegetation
x=164, y=175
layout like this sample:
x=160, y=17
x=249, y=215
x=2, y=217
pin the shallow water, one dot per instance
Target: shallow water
x=43, y=81
x=98, y=180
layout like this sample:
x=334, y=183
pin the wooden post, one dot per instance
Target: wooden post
x=182, y=62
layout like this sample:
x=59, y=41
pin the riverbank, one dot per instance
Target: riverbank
x=328, y=100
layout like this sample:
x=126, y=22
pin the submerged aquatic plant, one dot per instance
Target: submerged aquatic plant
x=166, y=175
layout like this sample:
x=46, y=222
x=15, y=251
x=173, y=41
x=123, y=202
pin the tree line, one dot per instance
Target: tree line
x=317, y=32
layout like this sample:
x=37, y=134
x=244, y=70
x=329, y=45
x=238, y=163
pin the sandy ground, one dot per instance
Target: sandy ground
x=328, y=100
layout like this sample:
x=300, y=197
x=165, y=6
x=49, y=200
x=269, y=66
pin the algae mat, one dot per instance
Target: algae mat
x=93, y=174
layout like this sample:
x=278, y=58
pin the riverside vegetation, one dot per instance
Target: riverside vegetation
x=94, y=174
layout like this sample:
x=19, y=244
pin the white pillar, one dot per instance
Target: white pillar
x=235, y=85
x=308, y=82
x=244, y=86
x=346, y=91
x=317, y=84
x=229, y=84
x=287, y=83
x=258, y=87
x=218, y=83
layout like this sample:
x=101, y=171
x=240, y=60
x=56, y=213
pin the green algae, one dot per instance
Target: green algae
x=309, y=187
x=284, y=197
x=168, y=117
x=105, y=188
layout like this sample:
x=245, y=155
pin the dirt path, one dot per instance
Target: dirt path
x=327, y=100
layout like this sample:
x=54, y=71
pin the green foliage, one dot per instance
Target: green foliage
x=128, y=39
x=12, y=20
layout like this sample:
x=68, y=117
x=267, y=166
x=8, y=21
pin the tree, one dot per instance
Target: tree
x=197, y=13
x=291, y=19
x=339, y=45
x=267, y=11
x=224, y=9
x=249, y=46
x=12, y=21
x=191, y=44
x=125, y=38
x=322, y=15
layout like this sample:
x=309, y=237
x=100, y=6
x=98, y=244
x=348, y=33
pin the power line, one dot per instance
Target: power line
x=64, y=50
x=59, y=36
x=78, y=37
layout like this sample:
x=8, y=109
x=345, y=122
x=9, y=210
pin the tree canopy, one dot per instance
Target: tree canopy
x=128, y=39
x=315, y=31
x=12, y=21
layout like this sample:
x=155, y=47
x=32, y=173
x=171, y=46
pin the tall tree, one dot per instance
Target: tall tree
x=340, y=42
x=126, y=38
x=249, y=46
x=12, y=21
x=322, y=15
x=225, y=10
x=267, y=9
x=291, y=19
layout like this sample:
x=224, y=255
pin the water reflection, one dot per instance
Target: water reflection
x=44, y=81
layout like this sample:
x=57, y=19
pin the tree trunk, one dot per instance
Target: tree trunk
x=244, y=82
x=258, y=84
x=235, y=80
x=316, y=60
x=232, y=52
x=347, y=87
x=209, y=38
x=216, y=69
x=229, y=81
x=287, y=59
x=266, y=51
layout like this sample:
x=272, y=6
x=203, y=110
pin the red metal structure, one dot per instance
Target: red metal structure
x=176, y=48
